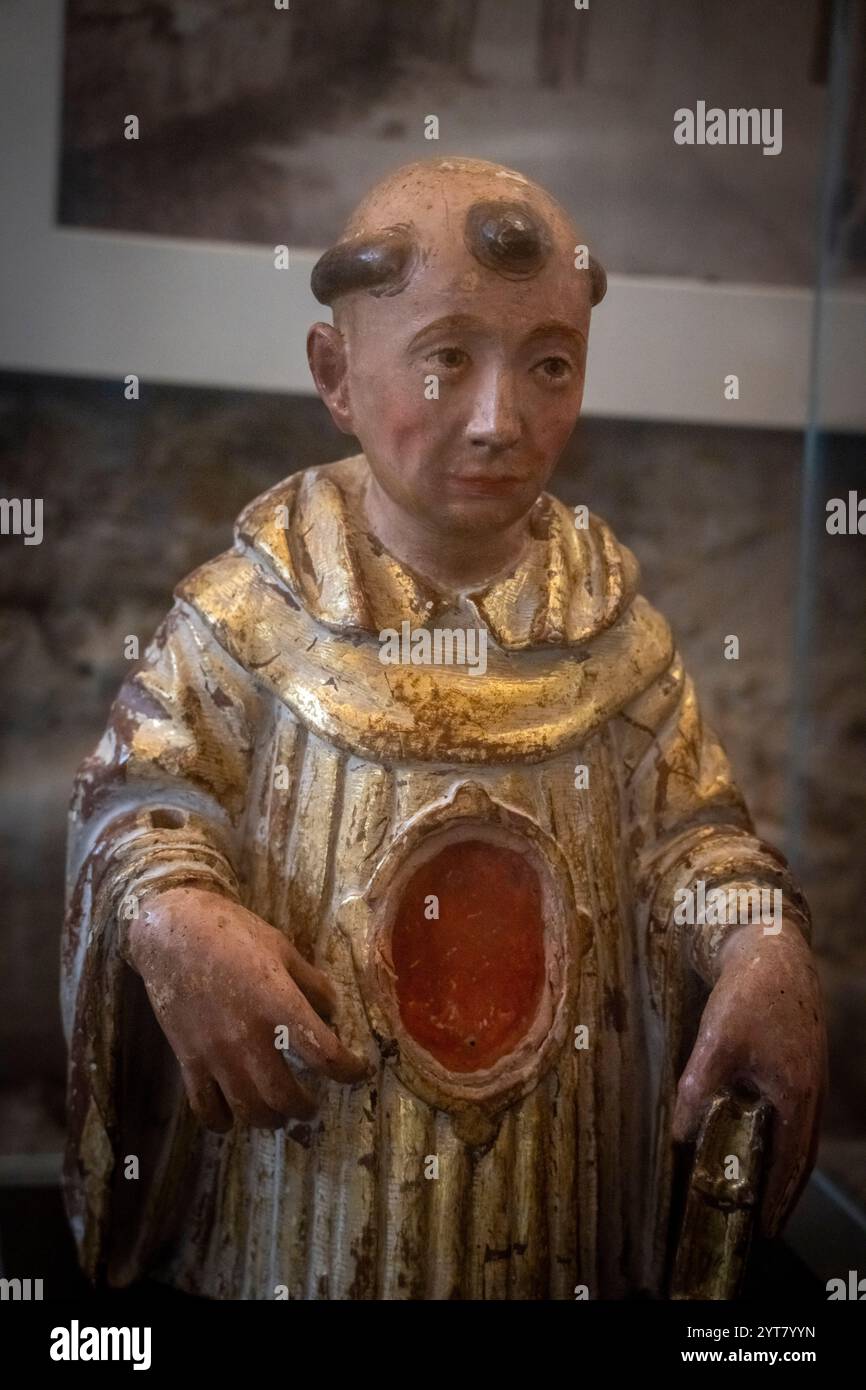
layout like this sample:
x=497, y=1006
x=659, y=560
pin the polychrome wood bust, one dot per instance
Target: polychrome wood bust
x=414, y=915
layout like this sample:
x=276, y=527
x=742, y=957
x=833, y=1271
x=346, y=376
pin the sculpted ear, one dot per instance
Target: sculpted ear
x=326, y=354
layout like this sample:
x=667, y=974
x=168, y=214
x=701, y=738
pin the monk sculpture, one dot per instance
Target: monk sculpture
x=380, y=978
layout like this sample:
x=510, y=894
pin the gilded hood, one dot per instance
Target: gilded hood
x=572, y=584
x=302, y=598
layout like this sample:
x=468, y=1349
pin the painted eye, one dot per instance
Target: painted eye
x=554, y=368
x=451, y=358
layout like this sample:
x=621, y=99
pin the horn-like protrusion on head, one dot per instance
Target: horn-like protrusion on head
x=380, y=262
x=508, y=237
x=597, y=280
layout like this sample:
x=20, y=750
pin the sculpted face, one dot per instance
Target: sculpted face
x=480, y=302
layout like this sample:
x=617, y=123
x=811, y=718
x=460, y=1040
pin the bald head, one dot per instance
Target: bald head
x=457, y=355
x=422, y=213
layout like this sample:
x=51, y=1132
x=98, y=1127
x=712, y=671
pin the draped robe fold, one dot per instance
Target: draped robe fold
x=264, y=751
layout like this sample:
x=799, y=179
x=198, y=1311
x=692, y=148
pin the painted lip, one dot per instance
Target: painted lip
x=483, y=484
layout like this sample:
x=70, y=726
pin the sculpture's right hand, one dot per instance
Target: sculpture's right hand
x=221, y=982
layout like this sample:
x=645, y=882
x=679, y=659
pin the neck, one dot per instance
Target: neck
x=451, y=562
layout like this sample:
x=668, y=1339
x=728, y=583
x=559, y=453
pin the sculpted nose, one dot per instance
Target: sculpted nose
x=495, y=421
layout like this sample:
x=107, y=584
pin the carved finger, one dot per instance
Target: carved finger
x=313, y=982
x=792, y=1154
x=313, y=1042
x=705, y=1075
x=205, y=1098
x=282, y=1091
x=247, y=1105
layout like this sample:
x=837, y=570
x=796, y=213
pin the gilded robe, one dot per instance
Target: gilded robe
x=263, y=750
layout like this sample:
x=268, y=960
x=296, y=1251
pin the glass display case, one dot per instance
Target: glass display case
x=826, y=796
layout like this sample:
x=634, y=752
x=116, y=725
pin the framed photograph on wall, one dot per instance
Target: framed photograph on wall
x=148, y=240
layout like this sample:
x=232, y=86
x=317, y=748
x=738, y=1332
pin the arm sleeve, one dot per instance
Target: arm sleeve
x=688, y=821
x=160, y=800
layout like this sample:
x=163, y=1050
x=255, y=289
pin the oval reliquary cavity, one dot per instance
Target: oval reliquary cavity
x=467, y=949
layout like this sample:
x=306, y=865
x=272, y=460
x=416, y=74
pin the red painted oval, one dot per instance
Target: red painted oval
x=469, y=983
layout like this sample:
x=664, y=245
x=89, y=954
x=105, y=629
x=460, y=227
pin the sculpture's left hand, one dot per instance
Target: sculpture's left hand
x=763, y=1025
